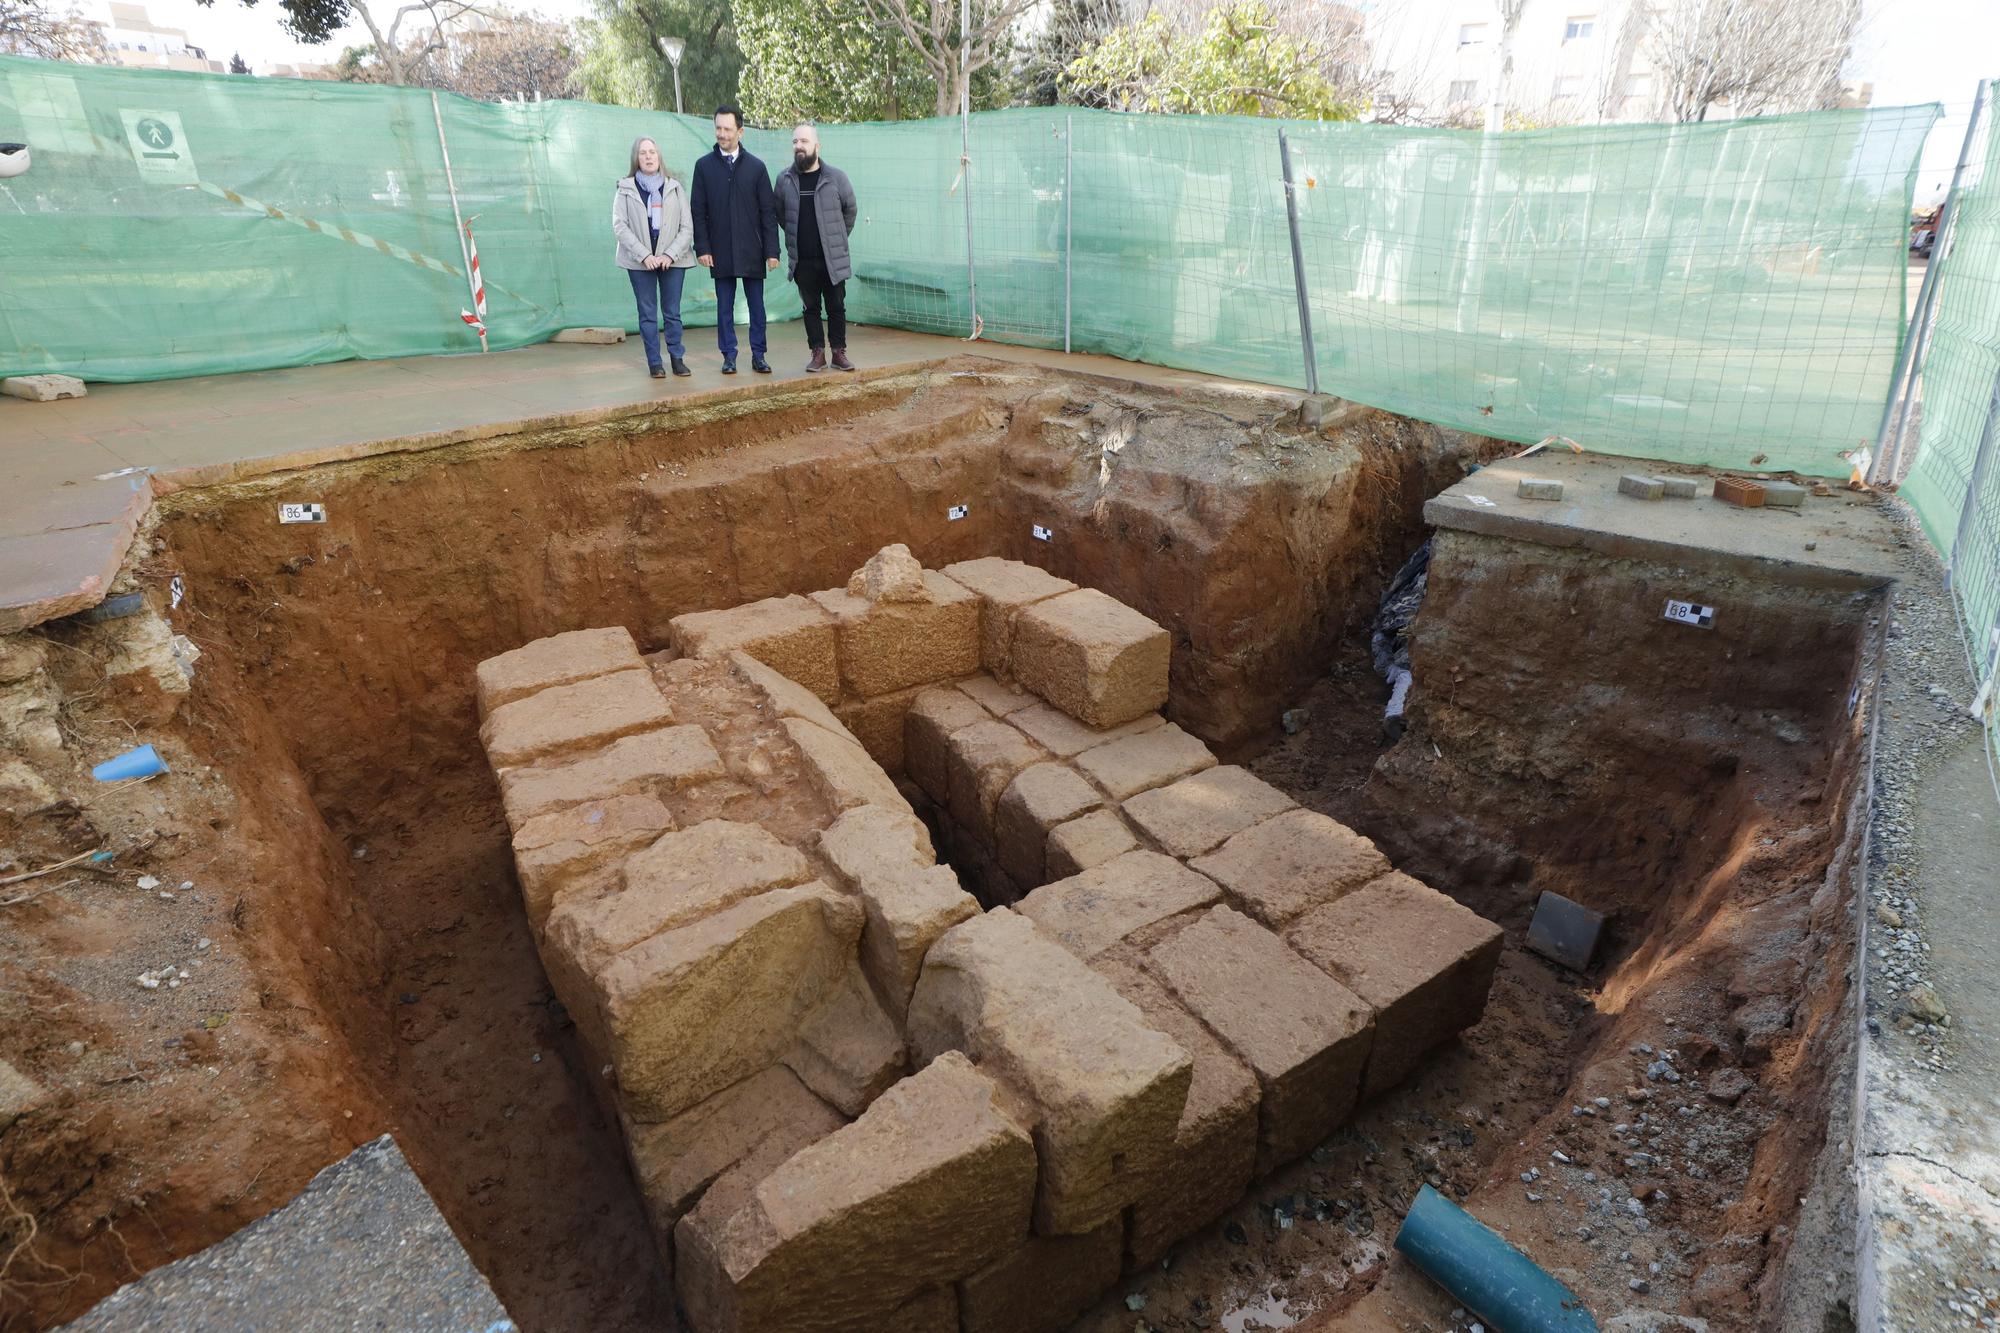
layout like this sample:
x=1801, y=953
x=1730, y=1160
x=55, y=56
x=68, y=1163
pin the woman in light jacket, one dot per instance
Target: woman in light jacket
x=655, y=231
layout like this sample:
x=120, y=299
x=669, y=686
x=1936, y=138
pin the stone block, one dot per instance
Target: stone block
x=1040, y=797
x=1421, y=961
x=566, y=720
x=934, y=716
x=1678, y=488
x=42, y=388
x=1065, y=737
x=1196, y=814
x=790, y=635
x=651, y=763
x=1641, y=487
x=1215, y=1143
x=690, y=1011
x=787, y=697
x=983, y=758
x=892, y=574
x=1043, y=1284
x=934, y=1182
x=675, y=1161
x=1089, y=841
x=1000, y=699
x=908, y=900
x=1304, y=1035
x=1090, y=912
x=1124, y=768
x=1103, y=1090
x=873, y=842
x=1289, y=863
x=877, y=724
x=1784, y=495
x=1091, y=656
x=559, y=852
x=1004, y=587
x=936, y=1311
x=1539, y=488
x=19, y=1095
x=594, y=336
x=890, y=646
x=560, y=659
x=840, y=770
x=849, y=1051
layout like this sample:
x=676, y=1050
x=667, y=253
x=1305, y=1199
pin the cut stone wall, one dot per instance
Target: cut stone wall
x=851, y=1098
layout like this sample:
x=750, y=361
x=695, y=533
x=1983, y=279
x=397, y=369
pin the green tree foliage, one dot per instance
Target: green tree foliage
x=1237, y=64
x=825, y=60
x=622, y=64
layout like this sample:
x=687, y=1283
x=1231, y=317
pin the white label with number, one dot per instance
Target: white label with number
x=1691, y=613
x=1042, y=534
x=177, y=592
x=956, y=512
x=302, y=513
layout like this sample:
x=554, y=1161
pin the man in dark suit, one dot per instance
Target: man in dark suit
x=735, y=234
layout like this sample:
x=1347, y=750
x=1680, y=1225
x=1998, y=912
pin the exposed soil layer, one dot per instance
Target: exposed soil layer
x=372, y=968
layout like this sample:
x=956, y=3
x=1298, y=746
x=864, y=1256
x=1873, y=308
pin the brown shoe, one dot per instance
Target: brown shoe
x=818, y=363
x=840, y=361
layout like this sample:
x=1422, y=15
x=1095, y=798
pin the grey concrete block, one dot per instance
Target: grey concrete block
x=1539, y=488
x=1783, y=495
x=1678, y=488
x=42, y=388
x=1643, y=488
x=599, y=336
x=1564, y=931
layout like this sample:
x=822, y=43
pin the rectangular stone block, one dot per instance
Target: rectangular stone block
x=651, y=763
x=1215, y=1144
x=1678, y=488
x=1304, y=1035
x=908, y=900
x=594, y=335
x=1196, y=814
x=675, y=1161
x=848, y=1050
x=791, y=635
x=889, y=646
x=936, y=1311
x=1043, y=1284
x=1092, y=656
x=1421, y=961
x=934, y=716
x=1289, y=863
x=693, y=1010
x=1783, y=495
x=934, y=1182
x=1104, y=1090
x=1000, y=699
x=1065, y=737
x=1040, y=797
x=558, y=852
x=566, y=720
x=1124, y=768
x=42, y=388
x=840, y=770
x=1539, y=488
x=1003, y=587
x=560, y=659
x=1089, y=841
x=1641, y=487
x=787, y=697
x=1090, y=912
x=877, y=724
x=983, y=758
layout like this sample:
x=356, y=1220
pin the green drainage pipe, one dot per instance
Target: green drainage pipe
x=1504, y=1287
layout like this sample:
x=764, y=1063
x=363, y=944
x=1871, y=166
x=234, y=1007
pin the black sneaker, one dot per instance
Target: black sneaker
x=760, y=365
x=681, y=367
x=657, y=372
x=729, y=366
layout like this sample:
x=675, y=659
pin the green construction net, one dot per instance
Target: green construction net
x=1711, y=292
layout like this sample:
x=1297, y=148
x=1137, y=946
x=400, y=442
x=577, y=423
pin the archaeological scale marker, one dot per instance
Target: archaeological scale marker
x=1690, y=613
x=301, y=513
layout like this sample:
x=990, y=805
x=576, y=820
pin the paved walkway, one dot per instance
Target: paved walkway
x=76, y=476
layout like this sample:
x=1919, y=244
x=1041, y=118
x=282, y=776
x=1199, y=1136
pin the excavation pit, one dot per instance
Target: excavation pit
x=349, y=848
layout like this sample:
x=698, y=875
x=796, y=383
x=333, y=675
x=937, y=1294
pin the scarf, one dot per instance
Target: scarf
x=650, y=189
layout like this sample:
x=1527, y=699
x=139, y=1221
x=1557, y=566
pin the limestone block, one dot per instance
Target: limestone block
x=998, y=699
x=1303, y=1034
x=908, y=900
x=877, y=724
x=936, y=1311
x=1104, y=1091
x=693, y=1010
x=1194, y=815
x=872, y=842
x=1126, y=767
x=676, y=1160
x=1215, y=1143
x=1091, y=656
x=934, y=716
x=651, y=763
x=1040, y=797
x=788, y=698
x=849, y=1051
x=983, y=759
x=790, y=635
x=1089, y=912
x=1423, y=962
x=1003, y=587
x=43, y=388
x=593, y=335
x=931, y=1184
x=558, y=852
x=1289, y=863
x=1043, y=1284
x=889, y=646
x=1089, y=841
x=566, y=720
x=840, y=770
x=1065, y=737
x=892, y=574
x=560, y=659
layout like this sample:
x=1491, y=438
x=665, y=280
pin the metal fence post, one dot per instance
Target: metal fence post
x=1975, y=483
x=451, y=187
x=1069, y=140
x=1299, y=267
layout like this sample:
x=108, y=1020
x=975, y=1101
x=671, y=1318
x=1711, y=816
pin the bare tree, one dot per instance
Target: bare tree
x=1753, y=55
x=951, y=55
x=400, y=59
x=30, y=28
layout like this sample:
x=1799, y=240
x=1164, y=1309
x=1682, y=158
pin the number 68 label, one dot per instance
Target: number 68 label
x=1691, y=613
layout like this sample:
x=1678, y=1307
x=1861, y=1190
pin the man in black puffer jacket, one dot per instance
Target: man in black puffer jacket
x=735, y=234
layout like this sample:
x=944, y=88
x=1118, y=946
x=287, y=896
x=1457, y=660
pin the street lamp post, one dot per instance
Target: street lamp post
x=673, y=48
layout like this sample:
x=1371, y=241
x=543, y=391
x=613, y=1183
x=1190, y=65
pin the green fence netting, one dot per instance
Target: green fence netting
x=1709, y=292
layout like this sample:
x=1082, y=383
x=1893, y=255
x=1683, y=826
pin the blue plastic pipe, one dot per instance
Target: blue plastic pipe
x=1507, y=1290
